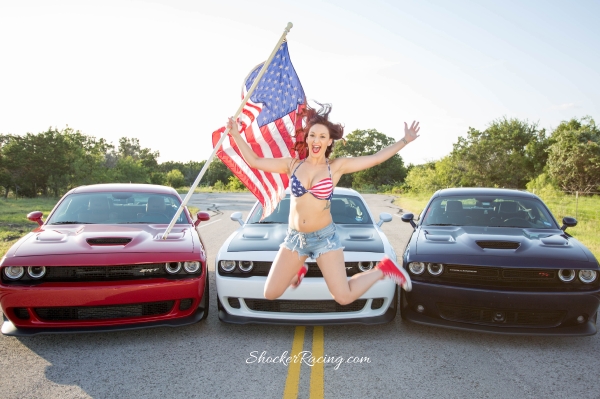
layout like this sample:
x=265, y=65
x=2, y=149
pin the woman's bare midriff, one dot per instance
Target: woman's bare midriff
x=308, y=214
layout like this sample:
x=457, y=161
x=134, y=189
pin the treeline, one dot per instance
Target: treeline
x=510, y=153
x=518, y=154
x=52, y=162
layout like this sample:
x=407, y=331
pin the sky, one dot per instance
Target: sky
x=169, y=72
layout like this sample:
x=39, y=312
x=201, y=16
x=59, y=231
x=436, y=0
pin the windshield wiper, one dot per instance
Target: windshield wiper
x=269, y=223
x=441, y=224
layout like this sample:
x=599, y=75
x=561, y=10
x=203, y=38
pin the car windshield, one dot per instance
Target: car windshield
x=117, y=208
x=345, y=209
x=496, y=211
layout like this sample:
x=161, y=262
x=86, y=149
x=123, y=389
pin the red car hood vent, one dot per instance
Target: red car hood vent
x=499, y=244
x=109, y=241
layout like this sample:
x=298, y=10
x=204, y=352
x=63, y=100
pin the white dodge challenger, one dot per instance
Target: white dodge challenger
x=244, y=260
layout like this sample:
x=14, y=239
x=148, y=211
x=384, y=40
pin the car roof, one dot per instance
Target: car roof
x=129, y=187
x=484, y=191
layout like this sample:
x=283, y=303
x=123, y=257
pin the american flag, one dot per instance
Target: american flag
x=269, y=122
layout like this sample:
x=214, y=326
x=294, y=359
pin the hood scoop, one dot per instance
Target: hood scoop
x=439, y=238
x=499, y=244
x=109, y=241
x=555, y=241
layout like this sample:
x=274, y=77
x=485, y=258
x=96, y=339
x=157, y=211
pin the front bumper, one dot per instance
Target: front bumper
x=100, y=295
x=311, y=289
x=502, y=312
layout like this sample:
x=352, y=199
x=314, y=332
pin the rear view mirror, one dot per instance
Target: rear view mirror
x=568, y=222
x=384, y=217
x=237, y=217
x=408, y=218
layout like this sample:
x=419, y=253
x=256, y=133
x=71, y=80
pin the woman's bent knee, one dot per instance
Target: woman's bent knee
x=343, y=299
x=272, y=294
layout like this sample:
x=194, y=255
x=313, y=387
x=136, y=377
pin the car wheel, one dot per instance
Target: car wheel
x=206, y=297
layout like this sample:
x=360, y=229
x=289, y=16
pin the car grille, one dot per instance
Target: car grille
x=66, y=274
x=262, y=269
x=327, y=306
x=500, y=317
x=104, y=312
x=503, y=278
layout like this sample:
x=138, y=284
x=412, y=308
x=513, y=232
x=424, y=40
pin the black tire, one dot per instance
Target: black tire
x=403, y=304
x=206, y=297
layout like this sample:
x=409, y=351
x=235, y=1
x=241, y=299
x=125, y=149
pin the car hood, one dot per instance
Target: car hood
x=526, y=243
x=105, y=239
x=268, y=237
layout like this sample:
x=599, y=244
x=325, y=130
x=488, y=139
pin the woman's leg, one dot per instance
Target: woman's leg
x=283, y=272
x=345, y=291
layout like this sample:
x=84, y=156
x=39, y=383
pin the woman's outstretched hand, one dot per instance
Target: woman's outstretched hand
x=411, y=134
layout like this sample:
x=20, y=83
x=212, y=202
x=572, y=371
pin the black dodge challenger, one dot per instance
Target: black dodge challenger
x=496, y=260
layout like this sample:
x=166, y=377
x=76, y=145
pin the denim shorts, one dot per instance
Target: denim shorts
x=312, y=244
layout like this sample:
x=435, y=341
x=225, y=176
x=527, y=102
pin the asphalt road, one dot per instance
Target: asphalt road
x=213, y=360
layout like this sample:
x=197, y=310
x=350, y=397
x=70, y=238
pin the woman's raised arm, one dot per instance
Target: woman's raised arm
x=351, y=165
x=273, y=165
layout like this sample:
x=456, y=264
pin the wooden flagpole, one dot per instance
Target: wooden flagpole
x=235, y=117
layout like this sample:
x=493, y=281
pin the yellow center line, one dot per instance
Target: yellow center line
x=317, y=389
x=293, y=377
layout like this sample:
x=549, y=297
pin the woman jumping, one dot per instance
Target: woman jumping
x=311, y=231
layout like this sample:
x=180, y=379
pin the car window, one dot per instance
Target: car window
x=497, y=211
x=117, y=208
x=345, y=209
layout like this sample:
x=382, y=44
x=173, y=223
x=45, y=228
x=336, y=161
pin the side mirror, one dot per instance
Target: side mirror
x=384, y=217
x=201, y=217
x=237, y=217
x=408, y=218
x=568, y=222
x=36, y=217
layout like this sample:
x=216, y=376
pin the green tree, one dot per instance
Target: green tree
x=367, y=142
x=574, y=155
x=175, y=179
x=217, y=171
x=509, y=153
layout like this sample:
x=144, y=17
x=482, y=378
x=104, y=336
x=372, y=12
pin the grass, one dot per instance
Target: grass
x=585, y=209
x=13, y=218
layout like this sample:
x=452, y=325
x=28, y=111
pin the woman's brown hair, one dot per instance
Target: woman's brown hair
x=311, y=117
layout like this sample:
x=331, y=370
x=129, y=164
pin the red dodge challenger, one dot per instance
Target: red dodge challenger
x=100, y=263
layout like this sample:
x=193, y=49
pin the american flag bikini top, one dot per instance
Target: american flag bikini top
x=323, y=190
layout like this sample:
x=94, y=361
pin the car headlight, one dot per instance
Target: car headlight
x=14, y=272
x=587, y=276
x=365, y=266
x=173, y=267
x=227, y=265
x=435, y=269
x=566, y=275
x=416, y=267
x=36, y=271
x=246, y=265
x=191, y=267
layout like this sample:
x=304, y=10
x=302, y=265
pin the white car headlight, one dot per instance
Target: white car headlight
x=587, y=276
x=14, y=272
x=173, y=267
x=36, y=271
x=566, y=275
x=246, y=265
x=416, y=267
x=191, y=267
x=227, y=265
x=435, y=269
